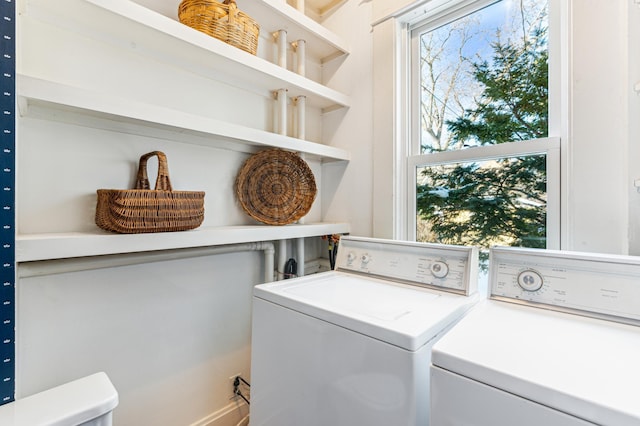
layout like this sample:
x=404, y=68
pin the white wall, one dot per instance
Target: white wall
x=170, y=334
x=386, y=195
x=598, y=179
x=633, y=159
x=385, y=8
x=348, y=191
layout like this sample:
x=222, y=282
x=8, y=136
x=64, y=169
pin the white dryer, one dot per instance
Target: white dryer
x=352, y=346
x=575, y=362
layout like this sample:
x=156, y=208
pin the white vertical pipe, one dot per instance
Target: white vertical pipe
x=282, y=111
x=301, y=109
x=300, y=242
x=281, y=40
x=275, y=117
x=302, y=156
x=282, y=257
x=301, y=54
x=269, y=253
x=300, y=5
x=300, y=254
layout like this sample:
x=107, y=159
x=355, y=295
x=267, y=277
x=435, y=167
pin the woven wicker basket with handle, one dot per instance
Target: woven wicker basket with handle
x=221, y=20
x=140, y=210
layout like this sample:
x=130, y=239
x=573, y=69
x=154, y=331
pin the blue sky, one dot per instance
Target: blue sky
x=503, y=15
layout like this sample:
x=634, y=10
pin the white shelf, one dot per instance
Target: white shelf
x=147, y=32
x=150, y=33
x=274, y=15
x=321, y=8
x=35, y=247
x=105, y=111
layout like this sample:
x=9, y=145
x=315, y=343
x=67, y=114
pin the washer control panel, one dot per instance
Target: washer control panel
x=602, y=286
x=447, y=267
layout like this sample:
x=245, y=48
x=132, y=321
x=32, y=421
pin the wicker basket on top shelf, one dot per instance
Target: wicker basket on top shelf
x=221, y=20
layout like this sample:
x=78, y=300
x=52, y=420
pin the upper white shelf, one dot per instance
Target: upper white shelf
x=35, y=247
x=115, y=113
x=273, y=15
x=322, y=8
x=133, y=26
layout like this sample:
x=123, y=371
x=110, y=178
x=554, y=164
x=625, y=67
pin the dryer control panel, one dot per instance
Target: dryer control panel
x=602, y=286
x=445, y=267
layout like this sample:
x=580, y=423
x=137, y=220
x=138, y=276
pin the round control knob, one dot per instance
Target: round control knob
x=366, y=258
x=530, y=280
x=351, y=256
x=439, y=269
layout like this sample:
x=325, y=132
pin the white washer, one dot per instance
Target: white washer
x=576, y=362
x=352, y=346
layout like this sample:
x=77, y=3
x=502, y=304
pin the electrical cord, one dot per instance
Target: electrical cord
x=239, y=379
x=333, y=248
x=236, y=388
x=335, y=253
x=242, y=396
x=290, y=269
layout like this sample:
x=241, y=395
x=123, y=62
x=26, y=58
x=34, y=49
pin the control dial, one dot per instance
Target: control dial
x=439, y=269
x=530, y=280
x=366, y=258
x=351, y=256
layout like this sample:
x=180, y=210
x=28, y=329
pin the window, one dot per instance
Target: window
x=482, y=167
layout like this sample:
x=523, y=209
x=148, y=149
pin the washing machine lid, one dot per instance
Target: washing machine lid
x=403, y=315
x=582, y=366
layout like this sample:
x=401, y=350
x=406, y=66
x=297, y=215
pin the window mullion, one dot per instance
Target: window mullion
x=488, y=152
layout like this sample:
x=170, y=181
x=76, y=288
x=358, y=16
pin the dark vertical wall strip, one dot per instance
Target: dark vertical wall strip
x=7, y=199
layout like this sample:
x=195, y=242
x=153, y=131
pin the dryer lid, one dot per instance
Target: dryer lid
x=399, y=314
x=582, y=366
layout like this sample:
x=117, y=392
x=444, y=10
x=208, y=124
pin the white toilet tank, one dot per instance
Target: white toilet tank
x=88, y=401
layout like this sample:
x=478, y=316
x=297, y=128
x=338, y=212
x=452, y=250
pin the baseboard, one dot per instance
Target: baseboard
x=232, y=414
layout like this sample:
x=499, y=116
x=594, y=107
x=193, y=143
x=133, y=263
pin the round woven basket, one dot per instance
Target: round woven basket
x=275, y=187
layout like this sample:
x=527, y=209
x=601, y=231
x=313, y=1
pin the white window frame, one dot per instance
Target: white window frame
x=548, y=146
x=438, y=13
